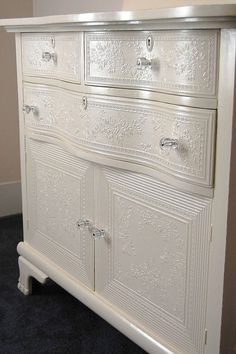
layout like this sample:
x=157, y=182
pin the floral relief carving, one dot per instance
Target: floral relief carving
x=153, y=247
x=188, y=59
x=67, y=50
x=134, y=132
x=56, y=109
x=58, y=196
x=114, y=127
x=110, y=54
x=184, y=62
x=113, y=58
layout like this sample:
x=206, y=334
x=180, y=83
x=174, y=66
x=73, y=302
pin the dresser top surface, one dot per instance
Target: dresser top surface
x=219, y=15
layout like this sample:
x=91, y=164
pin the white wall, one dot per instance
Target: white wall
x=152, y=4
x=55, y=7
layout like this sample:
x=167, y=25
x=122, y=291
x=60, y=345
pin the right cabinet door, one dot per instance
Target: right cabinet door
x=153, y=262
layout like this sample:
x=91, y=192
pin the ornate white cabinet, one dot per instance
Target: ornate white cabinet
x=126, y=126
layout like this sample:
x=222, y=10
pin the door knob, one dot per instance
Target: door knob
x=46, y=56
x=143, y=63
x=98, y=233
x=82, y=223
x=169, y=143
x=27, y=109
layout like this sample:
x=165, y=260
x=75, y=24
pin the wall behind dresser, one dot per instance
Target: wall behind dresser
x=152, y=4
x=10, y=196
x=56, y=7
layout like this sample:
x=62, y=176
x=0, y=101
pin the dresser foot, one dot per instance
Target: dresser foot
x=27, y=272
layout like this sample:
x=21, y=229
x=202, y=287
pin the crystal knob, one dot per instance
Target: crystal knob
x=81, y=223
x=98, y=233
x=46, y=56
x=27, y=109
x=143, y=63
x=169, y=143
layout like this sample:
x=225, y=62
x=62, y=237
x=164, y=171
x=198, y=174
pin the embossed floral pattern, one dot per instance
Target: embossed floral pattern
x=153, y=247
x=58, y=196
x=67, y=50
x=181, y=61
x=131, y=131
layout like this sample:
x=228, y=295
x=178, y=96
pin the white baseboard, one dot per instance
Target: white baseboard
x=10, y=198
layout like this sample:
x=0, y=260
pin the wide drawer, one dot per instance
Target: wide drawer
x=56, y=55
x=180, y=62
x=172, y=139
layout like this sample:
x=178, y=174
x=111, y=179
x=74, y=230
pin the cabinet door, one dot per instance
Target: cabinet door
x=153, y=262
x=60, y=192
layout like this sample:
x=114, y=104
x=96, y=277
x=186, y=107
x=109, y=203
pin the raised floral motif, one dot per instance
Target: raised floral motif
x=153, y=247
x=181, y=62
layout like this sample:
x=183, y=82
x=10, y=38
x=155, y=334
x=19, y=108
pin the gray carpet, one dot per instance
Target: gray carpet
x=50, y=320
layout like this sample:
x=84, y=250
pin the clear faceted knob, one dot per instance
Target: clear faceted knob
x=143, y=63
x=27, y=109
x=168, y=143
x=98, y=233
x=46, y=56
x=81, y=223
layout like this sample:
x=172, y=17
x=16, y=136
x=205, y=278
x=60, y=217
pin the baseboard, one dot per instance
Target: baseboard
x=10, y=198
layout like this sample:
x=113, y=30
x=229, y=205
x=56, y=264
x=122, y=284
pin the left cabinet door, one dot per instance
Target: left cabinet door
x=59, y=194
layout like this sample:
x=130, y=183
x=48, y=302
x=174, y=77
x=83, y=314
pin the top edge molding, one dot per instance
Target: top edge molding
x=208, y=13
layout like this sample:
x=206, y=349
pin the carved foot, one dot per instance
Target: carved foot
x=27, y=272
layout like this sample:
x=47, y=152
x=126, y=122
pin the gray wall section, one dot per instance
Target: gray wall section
x=56, y=7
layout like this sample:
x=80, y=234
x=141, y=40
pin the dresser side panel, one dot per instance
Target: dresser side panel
x=21, y=131
x=228, y=330
x=221, y=195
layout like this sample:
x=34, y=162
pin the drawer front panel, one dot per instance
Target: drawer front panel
x=52, y=55
x=182, y=62
x=119, y=129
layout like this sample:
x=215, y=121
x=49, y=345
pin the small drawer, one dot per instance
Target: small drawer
x=172, y=139
x=56, y=55
x=179, y=62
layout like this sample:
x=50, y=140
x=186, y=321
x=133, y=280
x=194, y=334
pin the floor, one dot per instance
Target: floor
x=50, y=320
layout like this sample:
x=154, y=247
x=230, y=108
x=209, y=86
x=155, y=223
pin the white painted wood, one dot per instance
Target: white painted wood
x=27, y=272
x=200, y=13
x=153, y=256
x=110, y=313
x=10, y=198
x=104, y=160
x=189, y=101
x=22, y=133
x=161, y=218
x=117, y=129
x=180, y=62
x=226, y=116
x=60, y=193
x=65, y=64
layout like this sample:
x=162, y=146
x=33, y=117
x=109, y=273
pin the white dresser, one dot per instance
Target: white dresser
x=128, y=169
